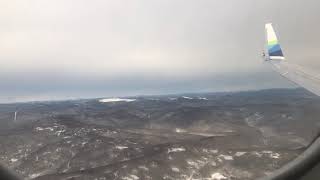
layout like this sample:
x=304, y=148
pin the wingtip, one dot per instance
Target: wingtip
x=268, y=24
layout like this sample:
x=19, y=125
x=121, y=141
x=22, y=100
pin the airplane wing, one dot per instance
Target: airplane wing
x=302, y=76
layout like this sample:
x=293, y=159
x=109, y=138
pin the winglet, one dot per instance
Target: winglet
x=274, y=51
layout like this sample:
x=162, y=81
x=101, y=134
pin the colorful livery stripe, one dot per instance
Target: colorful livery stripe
x=274, y=49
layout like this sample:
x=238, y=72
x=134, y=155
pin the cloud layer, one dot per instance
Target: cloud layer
x=78, y=48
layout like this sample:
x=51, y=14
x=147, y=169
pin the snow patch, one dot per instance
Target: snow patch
x=192, y=163
x=257, y=154
x=267, y=152
x=116, y=100
x=196, y=164
x=58, y=133
x=217, y=176
x=214, y=151
x=202, y=98
x=39, y=129
x=272, y=154
x=226, y=157
x=180, y=149
x=34, y=175
x=49, y=128
x=175, y=169
x=121, y=147
x=131, y=177
x=178, y=130
x=13, y=160
x=238, y=154
x=143, y=168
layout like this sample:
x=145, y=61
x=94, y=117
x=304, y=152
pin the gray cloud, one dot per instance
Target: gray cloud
x=62, y=49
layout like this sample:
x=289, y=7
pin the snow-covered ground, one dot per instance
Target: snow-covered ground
x=186, y=97
x=217, y=176
x=121, y=147
x=116, y=100
x=202, y=98
x=179, y=149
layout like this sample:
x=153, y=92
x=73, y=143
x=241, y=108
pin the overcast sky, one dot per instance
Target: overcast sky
x=53, y=49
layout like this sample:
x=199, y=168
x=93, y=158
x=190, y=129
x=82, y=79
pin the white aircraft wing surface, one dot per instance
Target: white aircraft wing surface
x=307, y=78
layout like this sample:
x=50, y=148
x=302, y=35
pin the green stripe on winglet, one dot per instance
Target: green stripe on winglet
x=272, y=42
